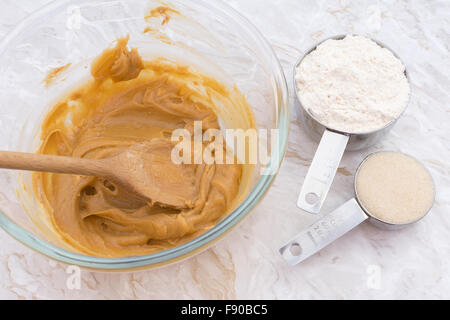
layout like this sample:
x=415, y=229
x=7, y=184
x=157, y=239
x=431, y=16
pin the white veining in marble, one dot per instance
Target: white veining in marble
x=411, y=263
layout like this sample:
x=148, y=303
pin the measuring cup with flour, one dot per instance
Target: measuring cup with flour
x=351, y=90
x=392, y=190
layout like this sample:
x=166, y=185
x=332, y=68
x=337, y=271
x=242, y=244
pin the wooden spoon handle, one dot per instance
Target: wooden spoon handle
x=50, y=163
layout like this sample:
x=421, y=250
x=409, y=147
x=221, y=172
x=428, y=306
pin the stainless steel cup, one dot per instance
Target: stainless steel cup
x=335, y=224
x=332, y=145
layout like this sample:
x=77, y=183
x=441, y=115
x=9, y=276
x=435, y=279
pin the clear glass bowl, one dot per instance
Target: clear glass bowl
x=213, y=38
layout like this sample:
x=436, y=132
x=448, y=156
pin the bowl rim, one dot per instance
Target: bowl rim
x=199, y=243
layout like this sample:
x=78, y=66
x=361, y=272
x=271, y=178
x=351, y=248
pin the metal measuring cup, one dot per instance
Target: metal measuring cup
x=332, y=145
x=337, y=223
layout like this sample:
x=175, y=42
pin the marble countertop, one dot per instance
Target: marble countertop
x=365, y=263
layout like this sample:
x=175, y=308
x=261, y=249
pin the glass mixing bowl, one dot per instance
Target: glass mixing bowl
x=215, y=39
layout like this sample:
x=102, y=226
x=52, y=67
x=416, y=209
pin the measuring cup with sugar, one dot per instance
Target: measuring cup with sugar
x=332, y=145
x=392, y=190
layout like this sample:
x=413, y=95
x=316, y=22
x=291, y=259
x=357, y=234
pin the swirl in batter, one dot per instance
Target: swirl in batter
x=131, y=101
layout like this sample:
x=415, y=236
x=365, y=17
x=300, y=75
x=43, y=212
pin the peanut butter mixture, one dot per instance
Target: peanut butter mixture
x=131, y=101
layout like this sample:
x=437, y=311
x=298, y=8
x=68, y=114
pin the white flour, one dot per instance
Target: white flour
x=352, y=85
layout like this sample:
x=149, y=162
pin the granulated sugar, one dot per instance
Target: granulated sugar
x=352, y=85
x=394, y=187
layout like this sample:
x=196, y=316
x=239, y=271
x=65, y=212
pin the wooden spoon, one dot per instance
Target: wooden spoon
x=138, y=171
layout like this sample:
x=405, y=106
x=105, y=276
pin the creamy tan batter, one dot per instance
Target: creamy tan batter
x=128, y=102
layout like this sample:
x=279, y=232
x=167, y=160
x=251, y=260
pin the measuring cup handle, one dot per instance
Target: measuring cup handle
x=322, y=171
x=323, y=232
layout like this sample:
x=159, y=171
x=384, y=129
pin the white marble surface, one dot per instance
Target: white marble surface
x=365, y=263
